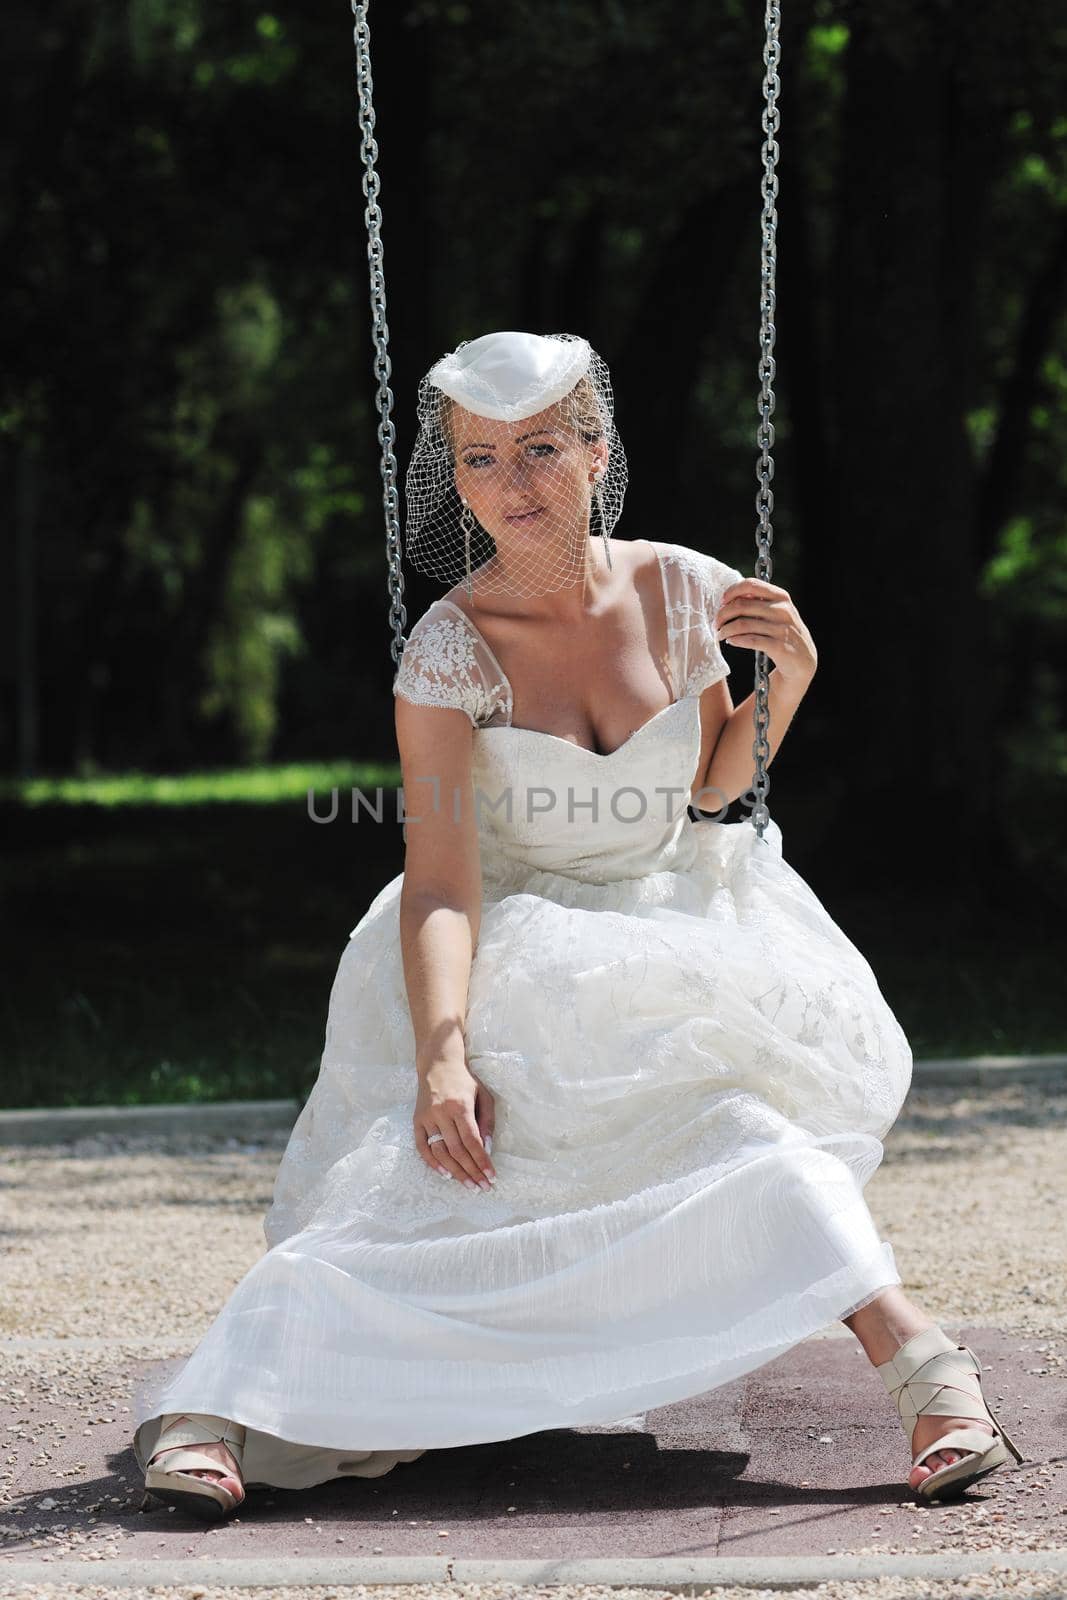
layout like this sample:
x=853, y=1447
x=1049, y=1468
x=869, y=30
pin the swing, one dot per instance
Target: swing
x=735, y=1227
x=766, y=367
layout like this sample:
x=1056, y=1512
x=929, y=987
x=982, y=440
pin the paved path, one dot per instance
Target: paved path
x=803, y=1457
x=802, y=1462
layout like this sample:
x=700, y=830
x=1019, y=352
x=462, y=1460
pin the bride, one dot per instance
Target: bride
x=686, y=1066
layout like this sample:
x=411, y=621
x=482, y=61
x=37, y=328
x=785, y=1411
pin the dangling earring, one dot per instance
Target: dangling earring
x=603, y=524
x=466, y=522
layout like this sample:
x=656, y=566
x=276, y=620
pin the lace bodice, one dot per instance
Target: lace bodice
x=447, y=662
x=545, y=804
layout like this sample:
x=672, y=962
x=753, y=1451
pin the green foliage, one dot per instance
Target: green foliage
x=1029, y=572
x=260, y=786
x=255, y=630
x=187, y=418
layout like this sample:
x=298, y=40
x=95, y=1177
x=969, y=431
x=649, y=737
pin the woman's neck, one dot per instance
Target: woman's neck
x=572, y=603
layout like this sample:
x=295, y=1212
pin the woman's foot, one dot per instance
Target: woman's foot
x=882, y=1326
x=229, y=1473
x=927, y=1429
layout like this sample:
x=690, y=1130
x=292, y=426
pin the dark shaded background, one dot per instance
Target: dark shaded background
x=194, y=565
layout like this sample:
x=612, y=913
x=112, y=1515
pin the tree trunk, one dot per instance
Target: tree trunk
x=668, y=336
x=27, y=500
x=908, y=647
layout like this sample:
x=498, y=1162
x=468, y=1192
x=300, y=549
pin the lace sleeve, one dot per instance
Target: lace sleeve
x=697, y=589
x=443, y=665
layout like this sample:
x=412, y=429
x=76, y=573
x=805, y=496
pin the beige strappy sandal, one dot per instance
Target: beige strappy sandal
x=174, y=1483
x=931, y=1376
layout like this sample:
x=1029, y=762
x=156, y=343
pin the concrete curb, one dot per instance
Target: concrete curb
x=244, y=1119
x=988, y=1072
x=248, y=1118
x=680, y=1575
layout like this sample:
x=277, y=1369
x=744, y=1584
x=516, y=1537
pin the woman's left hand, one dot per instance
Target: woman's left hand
x=761, y=616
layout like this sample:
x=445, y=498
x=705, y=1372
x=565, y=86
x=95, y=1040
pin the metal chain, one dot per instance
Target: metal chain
x=766, y=369
x=761, y=783
x=383, y=367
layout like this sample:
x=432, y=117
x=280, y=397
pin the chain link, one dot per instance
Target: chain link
x=761, y=783
x=383, y=367
x=766, y=368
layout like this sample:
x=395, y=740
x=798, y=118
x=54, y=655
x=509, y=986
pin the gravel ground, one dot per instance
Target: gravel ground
x=1021, y=1585
x=106, y=1244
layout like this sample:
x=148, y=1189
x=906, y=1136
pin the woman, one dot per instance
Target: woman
x=687, y=1067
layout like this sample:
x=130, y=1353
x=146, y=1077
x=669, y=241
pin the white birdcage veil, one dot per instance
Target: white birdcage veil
x=506, y=509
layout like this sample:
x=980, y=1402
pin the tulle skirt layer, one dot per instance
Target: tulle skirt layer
x=692, y=1074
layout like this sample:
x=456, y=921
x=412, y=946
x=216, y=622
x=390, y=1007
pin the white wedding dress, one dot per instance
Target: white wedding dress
x=693, y=1069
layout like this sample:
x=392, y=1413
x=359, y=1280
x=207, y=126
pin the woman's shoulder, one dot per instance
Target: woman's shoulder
x=697, y=566
x=447, y=662
x=440, y=610
x=446, y=626
x=444, y=634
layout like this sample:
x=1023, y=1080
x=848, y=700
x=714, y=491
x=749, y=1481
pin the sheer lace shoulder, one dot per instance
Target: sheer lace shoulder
x=694, y=585
x=446, y=662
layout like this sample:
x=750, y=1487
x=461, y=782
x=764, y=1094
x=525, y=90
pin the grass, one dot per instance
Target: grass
x=175, y=939
x=170, y=951
x=236, y=786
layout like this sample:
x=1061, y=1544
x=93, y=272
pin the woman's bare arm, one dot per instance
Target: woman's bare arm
x=441, y=897
x=732, y=765
x=754, y=614
x=440, y=919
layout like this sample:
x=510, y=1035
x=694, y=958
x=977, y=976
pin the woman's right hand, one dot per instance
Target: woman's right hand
x=453, y=1101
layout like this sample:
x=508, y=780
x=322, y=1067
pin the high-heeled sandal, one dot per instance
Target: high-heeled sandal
x=175, y=1485
x=931, y=1376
